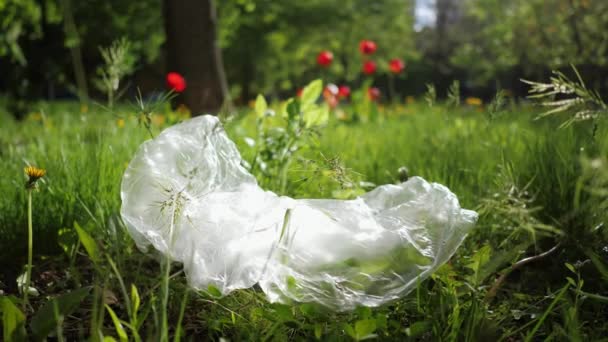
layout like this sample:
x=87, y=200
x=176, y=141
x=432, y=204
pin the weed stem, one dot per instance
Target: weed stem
x=30, y=247
x=498, y=283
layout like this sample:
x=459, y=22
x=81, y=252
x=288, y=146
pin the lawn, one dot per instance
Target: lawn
x=537, y=188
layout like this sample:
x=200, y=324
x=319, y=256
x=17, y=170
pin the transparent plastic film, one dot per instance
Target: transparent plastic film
x=187, y=194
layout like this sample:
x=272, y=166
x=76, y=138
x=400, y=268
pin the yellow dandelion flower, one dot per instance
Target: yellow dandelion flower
x=183, y=111
x=35, y=116
x=120, y=123
x=158, y=120
x=34, y=174
x=473, y=101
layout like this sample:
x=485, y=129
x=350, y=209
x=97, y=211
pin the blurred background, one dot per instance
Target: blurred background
x=234, y=49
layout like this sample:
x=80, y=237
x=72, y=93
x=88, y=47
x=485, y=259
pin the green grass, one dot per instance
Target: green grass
x=526, y=178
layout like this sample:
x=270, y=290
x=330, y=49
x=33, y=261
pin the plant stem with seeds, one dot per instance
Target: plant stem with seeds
x=166, y=276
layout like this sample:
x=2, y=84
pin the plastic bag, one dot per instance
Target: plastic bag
x=186, y=193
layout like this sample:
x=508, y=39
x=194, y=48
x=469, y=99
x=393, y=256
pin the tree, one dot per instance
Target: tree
x=271, y=46
x=509, y=40
x=193, y=51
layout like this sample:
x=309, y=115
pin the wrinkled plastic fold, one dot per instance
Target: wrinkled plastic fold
x=187, y=194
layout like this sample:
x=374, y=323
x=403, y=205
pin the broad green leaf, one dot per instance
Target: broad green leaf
x=478, y=260
x=45, y=320
x=283, y=108
x=365, y=328
x=214, y=291
x=417, y=329
x=316, y=116
x=363, y=312
x=381, y=322
x=318, y=331
x=311, y=93
x=283, y=312
x=135, y=301
x=293, y=109
x=291, y=284
x=13, y=321
x=109, y=339
x=89, y=244
x=122, y=334
x=350, y=331
x=260, y=106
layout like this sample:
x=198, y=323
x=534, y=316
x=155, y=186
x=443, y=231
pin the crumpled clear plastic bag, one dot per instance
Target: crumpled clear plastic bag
x=187, y=194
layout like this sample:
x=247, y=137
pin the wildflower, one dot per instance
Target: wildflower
x=373, y=93
x=299, y=92
x=369, y=67
x=120, y=123
x=343, y=91
x=330, y=93
x=176, y=82
x=473, y=101
x=410, y=100
x=332, y=102
x=325, y=58
x=331, y=89
x=367, y=47
x=158, y=120
x=183, y=112
x=396, y=65
x=34, y=174
x=35, y=116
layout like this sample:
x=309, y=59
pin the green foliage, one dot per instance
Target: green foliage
x=18, y=19
x=431, y=95
x=531, y=183
x=530, y=36
x=88, y=243
x=13, y=321
x=272, y=46
x=585, y=104
x=276, y=146
x=118, y=63
x=54, y=312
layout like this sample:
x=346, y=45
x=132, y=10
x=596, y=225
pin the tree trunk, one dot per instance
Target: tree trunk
x=192, y=51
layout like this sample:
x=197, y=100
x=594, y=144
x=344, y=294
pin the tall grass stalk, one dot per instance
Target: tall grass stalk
x=167, y=273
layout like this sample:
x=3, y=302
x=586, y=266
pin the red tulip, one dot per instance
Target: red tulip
x=343, y=91
x=176, y=82
x=396, y=65
x=369, y=67
x=373, y=93
x=325, y=58
x=367, y=47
